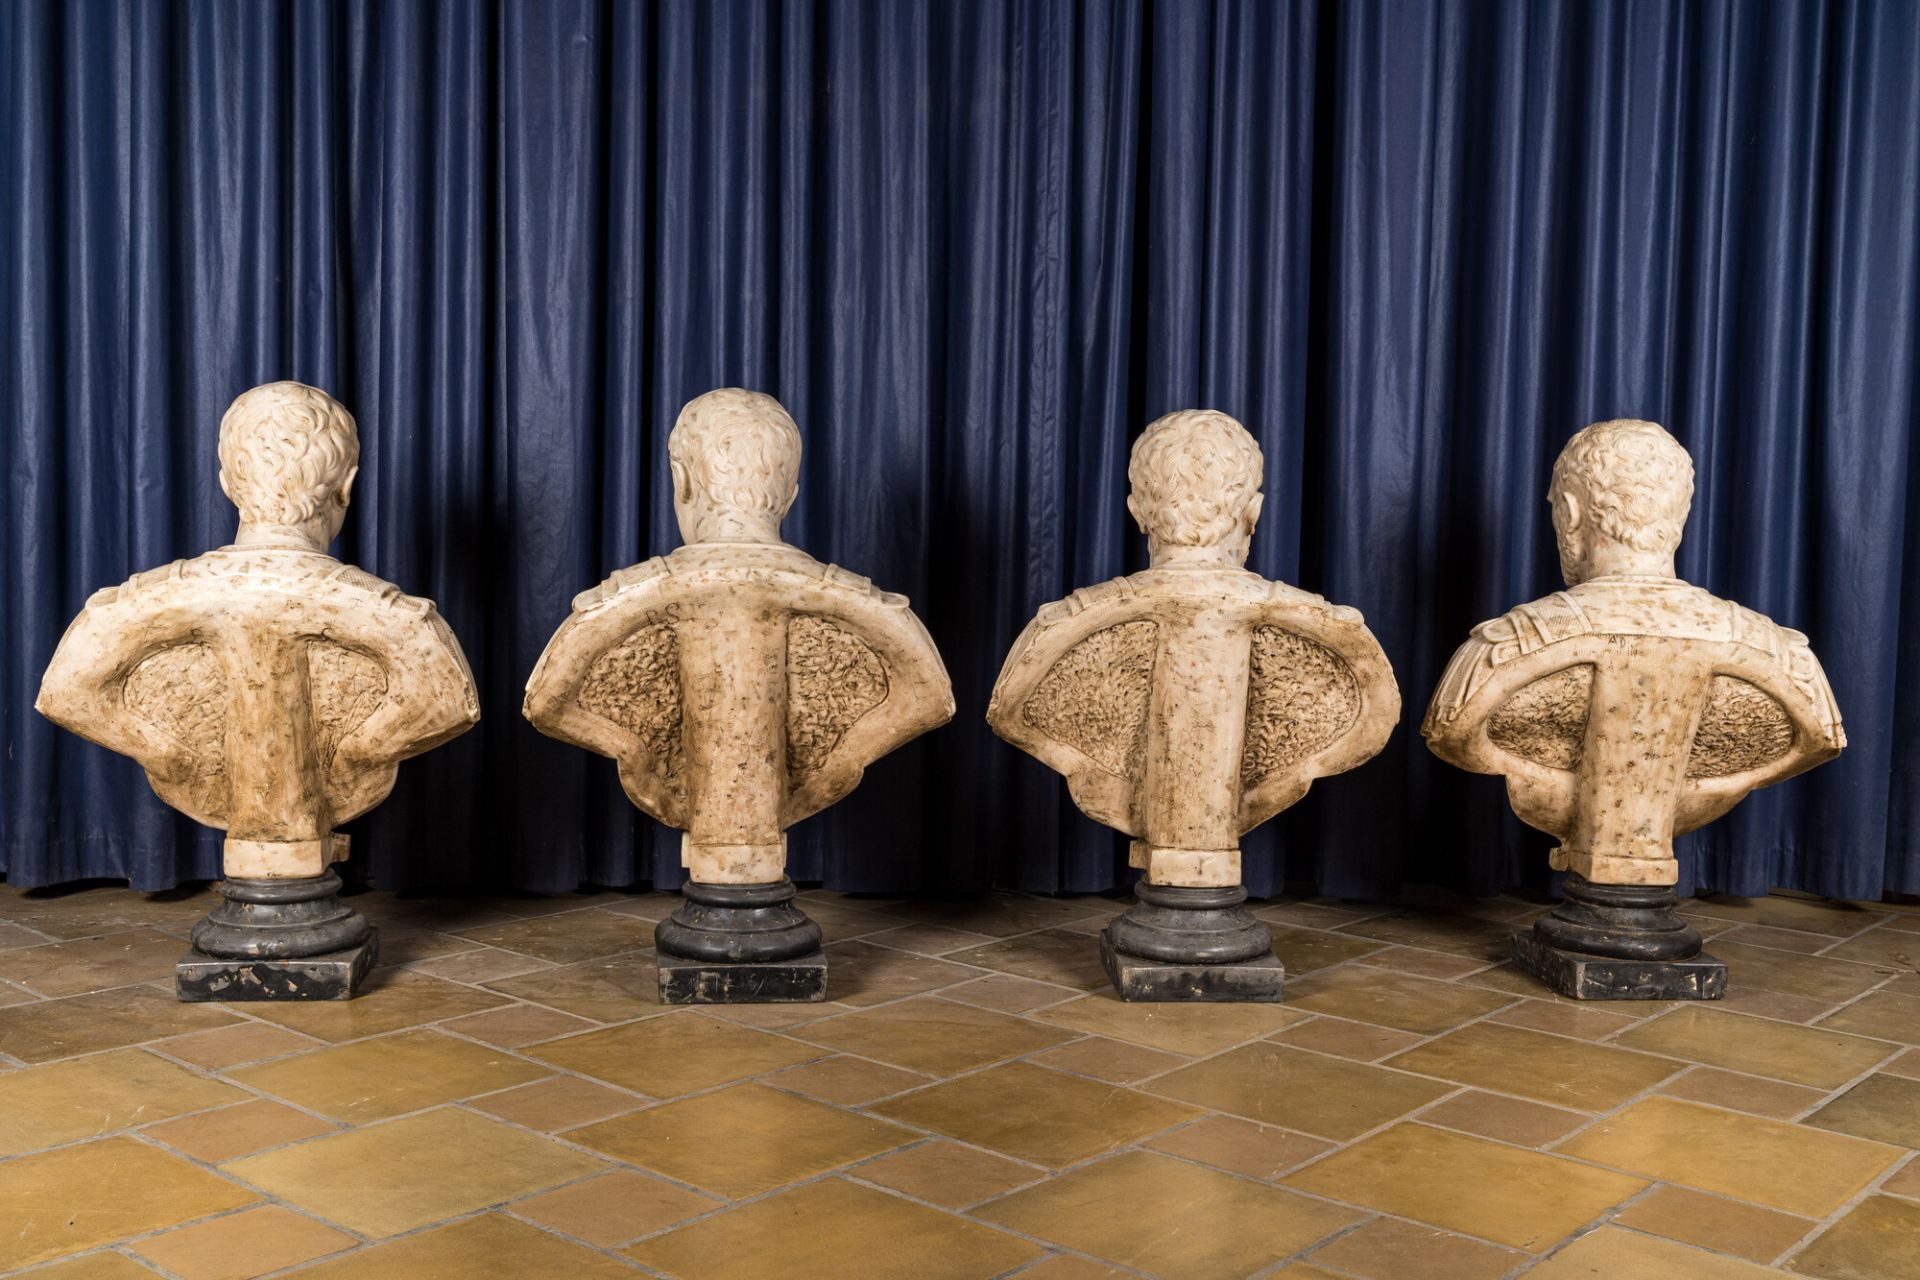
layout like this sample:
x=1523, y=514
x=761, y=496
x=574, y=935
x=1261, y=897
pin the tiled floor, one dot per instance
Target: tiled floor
x=508, y=1099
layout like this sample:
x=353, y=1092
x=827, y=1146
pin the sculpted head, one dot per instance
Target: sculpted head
x=288, y=457
x=1620, y=494
x=1196, y=478
x=735, y=456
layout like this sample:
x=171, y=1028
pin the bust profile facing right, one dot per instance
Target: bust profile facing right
x=1626, y=709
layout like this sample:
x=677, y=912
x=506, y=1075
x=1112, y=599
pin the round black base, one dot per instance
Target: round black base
x=737, y=923
x=1618, y=921
x=280, y=920
x=1190, y=926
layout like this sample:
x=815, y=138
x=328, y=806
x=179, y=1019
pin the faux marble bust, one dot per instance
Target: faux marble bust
x=265, y=687
x=740, y=684
x=1633, y=705
x=1191, y=702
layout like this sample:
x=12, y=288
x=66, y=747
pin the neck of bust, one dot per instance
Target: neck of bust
x=1219, y=555
x=736, y=526
x=1606, y=559
x=312, y=535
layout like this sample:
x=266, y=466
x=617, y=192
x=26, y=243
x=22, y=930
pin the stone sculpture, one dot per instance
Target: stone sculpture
x=1626, y=709
x=1188, y=704
x=272, y=691
x=742, y=686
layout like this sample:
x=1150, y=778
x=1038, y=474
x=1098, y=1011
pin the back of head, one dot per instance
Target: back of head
x=1196, y=475
x=738, y=451
x=287, y=450
x=1632, y=480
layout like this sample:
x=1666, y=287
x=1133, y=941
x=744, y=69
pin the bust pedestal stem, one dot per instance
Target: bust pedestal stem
x=1619, y=942
x=739, y=944
x=1177, y=943
x=283, y=939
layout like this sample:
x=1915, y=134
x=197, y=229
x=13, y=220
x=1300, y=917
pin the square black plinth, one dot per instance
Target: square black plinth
x=802, y=979
x=1586, y=977
x=334, y=976
x=1137, y=978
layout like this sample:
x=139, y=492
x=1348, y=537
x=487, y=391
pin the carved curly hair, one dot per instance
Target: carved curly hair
x=1193, y=474
x=286, y=450
x=740, y=448
x=1635, y=481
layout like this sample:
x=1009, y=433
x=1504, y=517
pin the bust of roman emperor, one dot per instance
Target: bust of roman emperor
x=740, y=684
x=1189, y=703
x=1632, y=706
x=265, y=687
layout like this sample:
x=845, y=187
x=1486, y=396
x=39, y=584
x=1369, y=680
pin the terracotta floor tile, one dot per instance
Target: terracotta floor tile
x=517, y=1025
x=742, y=1141
x=485, y=964
x=1316, y=915
x=1729, y=1089
x=1879, y=1013
x=1822, y=977
x=556, y=1103
x=842, y=924
x=1783, y=1166
x=778, y=1015
x=668, y=1056
x=1064, y=1266
x=1526, y=1124
x=1883, y=1108
x=1033, y=1114
x=1422, y=963
x=614, y=989
x=928, y=939
x=51, y=1029
x=1169, y=1218
x=1241, y=1146
x=1814, y=1056
x=861, y=974
x=241, y=1130
x=1533, y=1064
x=403, y=946
x=1387, y=1249
x=1624, y=1255
x=1304, y=951
x=383, y=1179
x=846, y=1082
x=1442, y=930
x=87, y=1097
x=10, y=994
x=13, y=935
x=1906, y=1182
x=1191, y=1029
x=1760, y=935
x=1907, y=1064
x=1724, y=1226
x=1567, y=1019
x=231, y=1045
x=614, y=1207
x=493, y=1245
x=106, y=1265
x=1002, y=914
x=92, y=964
x=391, y=1000
x=935, y=1036
x=1879, y=1240
x=1834, y=919
x=816, y=1229
x=1361, y=1041
x=242, y=1245
x=569, y=937
x=1114, y=1061
x=947, y=1174
x=1392, y=999
x=85, y=913
x=1008, y=994
x=1524, y=1199
x=61, y=1202
x=1056, y=955
x=388, y=1076
x=1323, y=1096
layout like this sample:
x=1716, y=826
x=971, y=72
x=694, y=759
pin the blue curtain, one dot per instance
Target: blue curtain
x=974, y=247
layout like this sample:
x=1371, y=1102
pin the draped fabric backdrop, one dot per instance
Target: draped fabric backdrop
x=974, y=247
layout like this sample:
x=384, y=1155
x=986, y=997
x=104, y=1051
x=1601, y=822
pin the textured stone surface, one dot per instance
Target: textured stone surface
x=1135, y=978
x=803, y=978
x=1632, y=706
x=333, y=976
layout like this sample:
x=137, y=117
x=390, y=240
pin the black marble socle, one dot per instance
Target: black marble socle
x=334, y=976
x=1619, y=942
x=289, y=939
x=802, y=979
x=1138, y=978
x=739, y=944
x=1180, y=943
